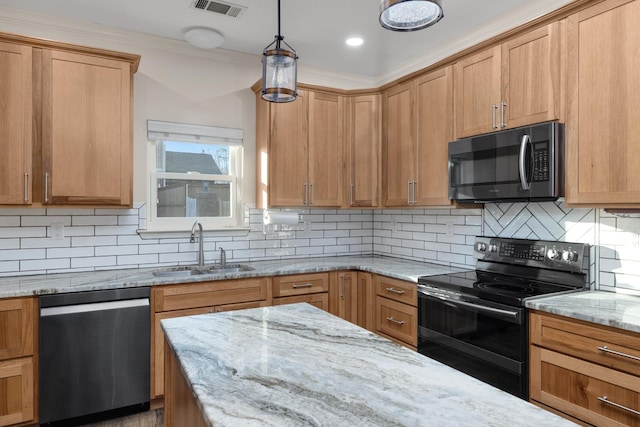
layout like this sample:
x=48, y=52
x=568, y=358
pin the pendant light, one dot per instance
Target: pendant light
x=410, y=15
x=279, y=70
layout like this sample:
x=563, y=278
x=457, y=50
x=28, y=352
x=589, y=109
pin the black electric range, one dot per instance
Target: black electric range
x=476, y=322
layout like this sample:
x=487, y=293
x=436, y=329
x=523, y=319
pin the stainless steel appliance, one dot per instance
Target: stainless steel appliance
x=94, y=355
x=476, y=322
x=518, y=164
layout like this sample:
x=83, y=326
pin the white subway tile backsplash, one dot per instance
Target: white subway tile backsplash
x=69, y=252
x=45, y=264
x=36, y=221
x=94, y=241
x=11, y=232
x=94, y=220
x=22, y=212
x=97, y=261
x=115, y=230
x=9, y=266
x=10, y=221
x=116, y=250
x=46, y=242
x=137, y=259
x=9, y=244
x=20, y=254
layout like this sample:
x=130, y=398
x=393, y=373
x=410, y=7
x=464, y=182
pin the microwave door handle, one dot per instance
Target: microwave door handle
x=522, y=168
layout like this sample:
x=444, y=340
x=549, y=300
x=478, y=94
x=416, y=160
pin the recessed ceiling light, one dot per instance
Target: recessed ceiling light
x=354, y=41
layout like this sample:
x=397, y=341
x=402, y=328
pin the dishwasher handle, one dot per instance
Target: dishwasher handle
x=92, y=307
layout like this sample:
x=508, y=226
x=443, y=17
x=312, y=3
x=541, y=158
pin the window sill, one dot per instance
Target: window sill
x=176, y=234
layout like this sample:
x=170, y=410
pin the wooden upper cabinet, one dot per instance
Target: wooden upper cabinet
x=513, y=84
x=477, y=93
x=603, y=74
x=419, y=127
x=300, y=151
x=287, y=151
x=434, y=132
x=531, y=77
x=326, y=145
x=399, y=144
x=363, y=151
x=87, y=133
x=16, y=115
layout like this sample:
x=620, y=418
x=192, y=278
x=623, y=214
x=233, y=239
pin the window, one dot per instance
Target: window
x=195, y=174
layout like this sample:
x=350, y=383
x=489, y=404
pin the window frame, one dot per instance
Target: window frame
x=206, y=135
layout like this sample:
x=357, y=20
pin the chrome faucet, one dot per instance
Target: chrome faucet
x=223, y=258
x=200, y=244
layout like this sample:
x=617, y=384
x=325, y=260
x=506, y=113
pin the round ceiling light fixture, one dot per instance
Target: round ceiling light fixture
x=203, y=37
x=354, y=41
x=409, y=15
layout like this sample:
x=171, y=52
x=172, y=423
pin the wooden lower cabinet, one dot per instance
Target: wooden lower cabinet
x=190, y=299
x=18, y=331
x=365, y=316
x=180, y=407
x=584, y=371
x=310, y=288
x=343, y=295
x=396, y=310
x=16, y=391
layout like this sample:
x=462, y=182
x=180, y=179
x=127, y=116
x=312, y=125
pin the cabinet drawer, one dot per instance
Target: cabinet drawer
x=16, y=327
x=16, y=391
x=397, y=290
x=578, y=388
x=601, y=345
x=192, y=295
x=300, y=284
x=318, y=300
x=397, y=320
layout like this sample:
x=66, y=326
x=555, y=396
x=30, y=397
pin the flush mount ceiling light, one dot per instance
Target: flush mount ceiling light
x=354, y=41
x=279, y=70
x=203, y=37
x=410, y=15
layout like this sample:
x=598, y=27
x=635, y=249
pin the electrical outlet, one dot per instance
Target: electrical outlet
x=57, y=231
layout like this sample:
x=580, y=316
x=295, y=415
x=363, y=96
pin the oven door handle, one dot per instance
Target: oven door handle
x=481, y=308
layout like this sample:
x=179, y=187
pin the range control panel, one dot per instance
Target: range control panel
x=564, y=256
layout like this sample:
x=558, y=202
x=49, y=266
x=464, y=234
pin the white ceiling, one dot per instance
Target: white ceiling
x=317, y=29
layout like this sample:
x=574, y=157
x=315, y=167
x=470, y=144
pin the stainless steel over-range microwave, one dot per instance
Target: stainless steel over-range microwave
x=521, y=164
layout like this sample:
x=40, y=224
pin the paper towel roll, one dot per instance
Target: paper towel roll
x=271, y=217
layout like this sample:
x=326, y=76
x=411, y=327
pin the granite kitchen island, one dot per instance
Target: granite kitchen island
x=297, y=365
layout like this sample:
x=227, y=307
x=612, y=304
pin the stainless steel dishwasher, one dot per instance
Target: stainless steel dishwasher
x=94, y=355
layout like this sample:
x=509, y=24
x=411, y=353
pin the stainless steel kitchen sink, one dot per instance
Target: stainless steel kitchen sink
x=195, y=270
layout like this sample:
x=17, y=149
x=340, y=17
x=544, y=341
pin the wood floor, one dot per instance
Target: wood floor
x=152, y=418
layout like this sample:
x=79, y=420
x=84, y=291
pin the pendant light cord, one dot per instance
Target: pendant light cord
x=279, y=32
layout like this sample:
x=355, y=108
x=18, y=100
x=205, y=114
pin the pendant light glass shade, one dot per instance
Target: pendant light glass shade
x=410, y=15
x=279, y=70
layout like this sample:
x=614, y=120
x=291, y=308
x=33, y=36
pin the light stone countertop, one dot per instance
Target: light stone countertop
x=297, y=365
x=605, y=308
x=18, y=286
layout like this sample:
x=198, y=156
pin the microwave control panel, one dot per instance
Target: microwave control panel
x=541, y=161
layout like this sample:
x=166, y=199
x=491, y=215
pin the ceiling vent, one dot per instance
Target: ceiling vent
x=222, y=8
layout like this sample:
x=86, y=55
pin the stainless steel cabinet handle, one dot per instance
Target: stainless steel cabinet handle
x=494, y=107
x=26, y=187
x=46, y=187
x=302, y=285
x=397, y=322
x=415, y=183
x=395, y=291
x=502, y=107
x=604, y=399
x=311, y=201
x=351, y=195
x=617, y=353
x=306, y=194
x=408, y=192
x=342, y=286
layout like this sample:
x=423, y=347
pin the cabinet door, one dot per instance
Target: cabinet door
x=477, y=93
x=16, y=391
x=16, y=121
x=531, y=77
x=363, y=164
x=157, y=345
x=434, y=132
x=86, y=129
x=318, y=300
x=366, y=301
x=397, y=320
x=326, y=147
x=17, y=319
x=288, y=152
x=399, y=143
x=603, y=74
x=343, y=295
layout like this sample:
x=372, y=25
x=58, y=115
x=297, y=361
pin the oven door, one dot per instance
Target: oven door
x=485, y=340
